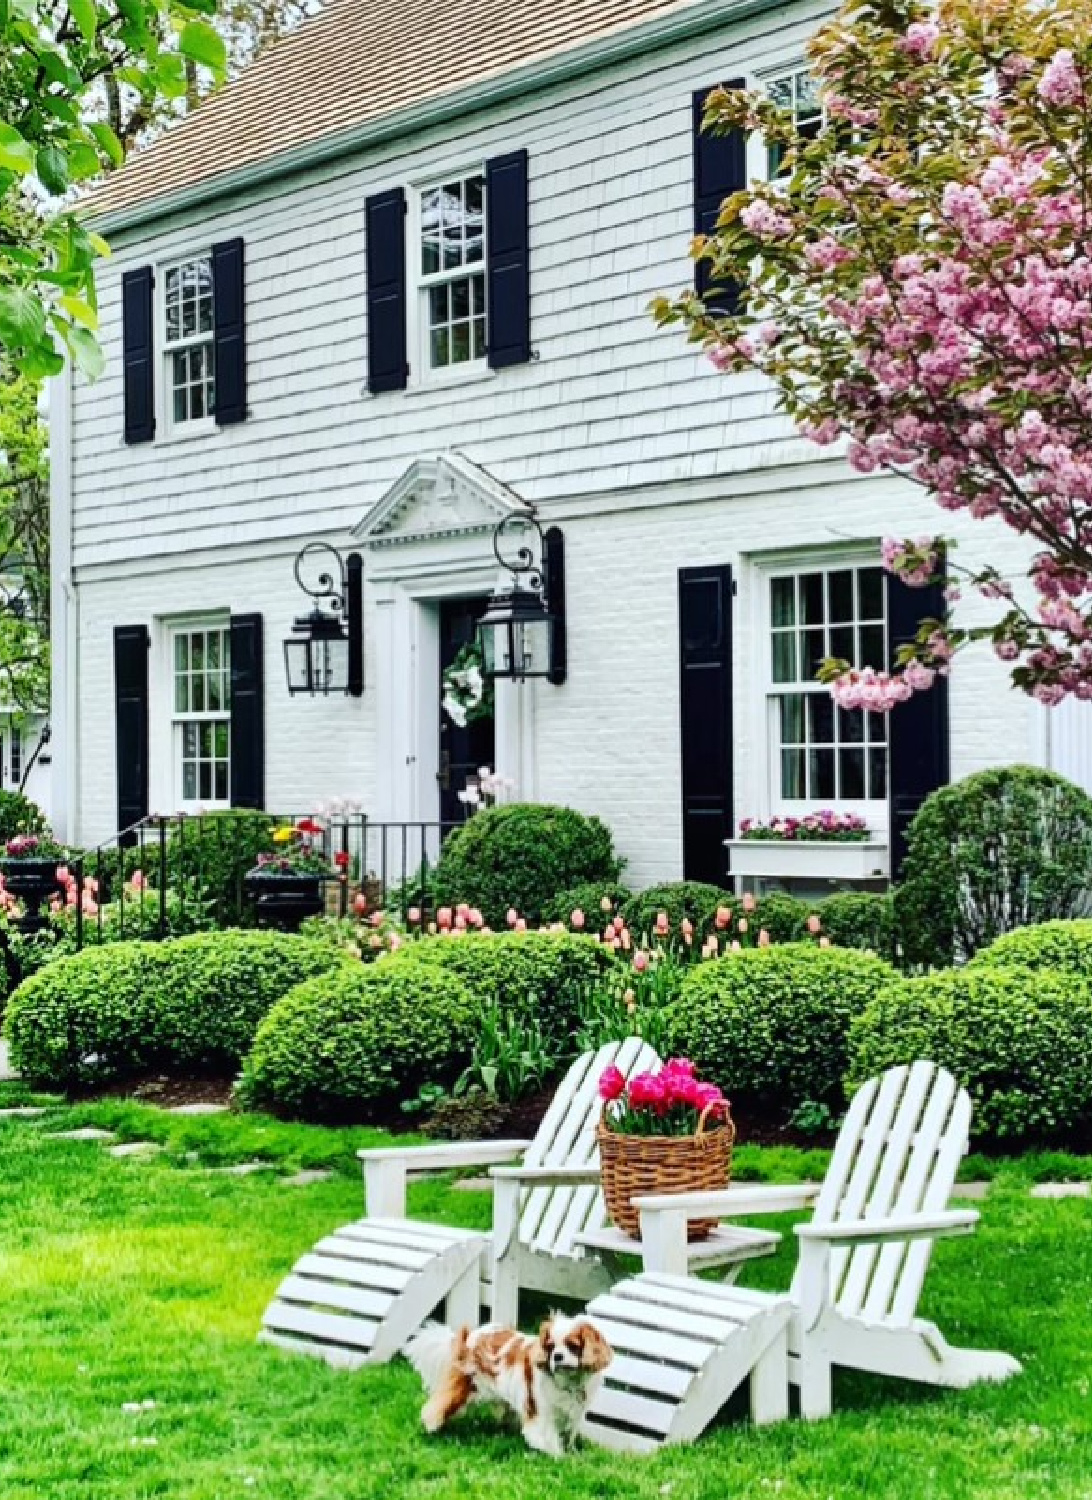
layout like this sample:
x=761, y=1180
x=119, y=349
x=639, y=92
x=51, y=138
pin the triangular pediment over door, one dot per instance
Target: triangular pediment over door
x=444, y=496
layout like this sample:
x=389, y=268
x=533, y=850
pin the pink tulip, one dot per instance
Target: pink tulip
x=612, y=1084
x=576, y=920
x=618, y=924
x=521, y=925
x=763, y=938
x=395, y=942
x=686, y=927
x=360, y=903
x=824, y=942
x=724, y=916
x=748, y=902
x=475, y=918
x=814, y=924
x=443, y=917
x=640, y=960
x=663, y=926
x=512, y=917
x=460, y=923
x=413, y=915
x=462, y=910
x=737, y=947
x=742, y=924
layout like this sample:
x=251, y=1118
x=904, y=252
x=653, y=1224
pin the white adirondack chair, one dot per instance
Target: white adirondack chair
x=362, y=1292
x=853, y=1299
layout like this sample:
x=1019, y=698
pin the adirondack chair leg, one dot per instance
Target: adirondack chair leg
x=770, y=1383
x=464, y=1301
x=506, y=1205
x=816, y=1383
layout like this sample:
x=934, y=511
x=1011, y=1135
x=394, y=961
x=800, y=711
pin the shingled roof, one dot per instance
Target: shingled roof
x=353, y=64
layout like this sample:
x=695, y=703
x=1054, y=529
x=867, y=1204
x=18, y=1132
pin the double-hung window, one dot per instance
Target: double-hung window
x=188, y=341
x=16, y=756
x=451, y=273
x=796, y=90
x=822, y=755
x=201, y=722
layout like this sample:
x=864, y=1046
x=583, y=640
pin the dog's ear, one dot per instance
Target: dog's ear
x=596, y=1353
x=545, y=1342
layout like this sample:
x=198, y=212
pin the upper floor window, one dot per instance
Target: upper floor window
x=201, y=714
x=16, y=756
x=797, y=92
x=822, y=755
x=451, y=272
x=188, y=333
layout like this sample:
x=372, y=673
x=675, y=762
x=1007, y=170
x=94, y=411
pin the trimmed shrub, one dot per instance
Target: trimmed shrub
x=188, y=1004
x=549, y=971
x=521, y=855
x=339, y=1046
x=783, y=916
x=1019, y=1040
x=214, y=852
x=1062, y=947
x=859, y=919
x=588, y=898
x=692, y=899
x=999, y=850
x=771, y=1025
x=18, y=814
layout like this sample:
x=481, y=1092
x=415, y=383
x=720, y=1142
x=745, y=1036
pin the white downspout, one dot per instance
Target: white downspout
x=64, y=613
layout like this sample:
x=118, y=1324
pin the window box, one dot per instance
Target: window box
x=809, y=859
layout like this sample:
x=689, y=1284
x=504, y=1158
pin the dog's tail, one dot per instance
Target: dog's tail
x=430, y=1353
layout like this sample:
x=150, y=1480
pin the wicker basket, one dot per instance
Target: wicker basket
x=635, y=1165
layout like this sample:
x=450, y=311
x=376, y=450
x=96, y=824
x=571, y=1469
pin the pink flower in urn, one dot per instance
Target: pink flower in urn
x=444, y=918
x=612, y=1084
x=576, y=920
x=814, y=924
x=640, y=960
x=513, y=916
x=413, y=916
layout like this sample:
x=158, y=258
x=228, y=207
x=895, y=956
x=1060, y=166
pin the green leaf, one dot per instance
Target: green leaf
x=79, y=311
x=16, y=154
x=41, y=362
x=83, y=161
x=86, y=17
x=98, y=244
x=108, y=143
x=52, y=168
x=22, y=316
x=203, y=44
x=85, y=349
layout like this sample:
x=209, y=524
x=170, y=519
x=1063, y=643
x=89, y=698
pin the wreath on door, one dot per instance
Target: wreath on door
x=467, y=694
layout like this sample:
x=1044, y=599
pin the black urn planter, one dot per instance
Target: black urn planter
x=283, y=899
x=34, y=882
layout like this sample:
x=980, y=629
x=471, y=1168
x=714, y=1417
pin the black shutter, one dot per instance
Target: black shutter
x=705, y=658
x=720, y=169
x=131, y=722
x=229, y=337
x=247, y=712
x=385, y=224
x=508, y=285
x=137, y=354
x=918, y=758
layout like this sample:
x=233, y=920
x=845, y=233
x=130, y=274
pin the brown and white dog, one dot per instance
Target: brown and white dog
x=548, y=1380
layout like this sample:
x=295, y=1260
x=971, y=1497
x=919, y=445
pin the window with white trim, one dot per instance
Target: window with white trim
x=188, y=348
x=822, y=755
x=797, y=92
x=16, y=767
x=201, y=714
x=451, y=272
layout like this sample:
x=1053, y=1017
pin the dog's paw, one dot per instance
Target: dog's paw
x=432, y=1419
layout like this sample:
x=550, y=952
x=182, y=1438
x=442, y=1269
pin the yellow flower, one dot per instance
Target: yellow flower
x=284, y=835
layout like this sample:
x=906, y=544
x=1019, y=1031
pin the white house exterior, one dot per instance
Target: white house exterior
x=661, y=474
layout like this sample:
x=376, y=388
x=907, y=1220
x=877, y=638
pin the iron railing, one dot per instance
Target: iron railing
x=166, y=876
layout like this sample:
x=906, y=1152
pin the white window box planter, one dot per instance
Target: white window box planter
x=784, y=859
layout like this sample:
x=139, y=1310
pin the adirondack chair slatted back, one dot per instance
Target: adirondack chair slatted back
x=551, y=1218
x=897, y=1153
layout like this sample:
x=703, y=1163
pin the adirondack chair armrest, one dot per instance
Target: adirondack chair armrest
x=547, y=1176
x=387, y=1168
x=880, y=1231
x=664, y=1216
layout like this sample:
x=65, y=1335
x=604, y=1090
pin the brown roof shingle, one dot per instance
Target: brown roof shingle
x=352, y=64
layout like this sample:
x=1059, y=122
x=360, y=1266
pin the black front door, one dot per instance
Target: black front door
x=463, y=747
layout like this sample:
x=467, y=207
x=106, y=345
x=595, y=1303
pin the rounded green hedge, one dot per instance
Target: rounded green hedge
x=690, y=899
x=1002, y=849
x=783, y=916
x=18, y=814
x=520, y=856
x=339, y=1046
x=1064, y=947
x=771, y=1025
x=189, y=1004
x=587, y=897
x=859, y=919
x=1019, y=1040
x=551, y=969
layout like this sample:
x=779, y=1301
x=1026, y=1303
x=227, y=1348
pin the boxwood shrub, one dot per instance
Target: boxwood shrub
x=1019, y=1040
x=521, y=855
x=692, y=899
x=859, y=919
x=1064, y=947
x=771, y=1025
x=18, y=814
x=360, y=1038
x=783, y=916
x=998, y=850
x=551, y=969
x=189, y=1004
x=587, y=897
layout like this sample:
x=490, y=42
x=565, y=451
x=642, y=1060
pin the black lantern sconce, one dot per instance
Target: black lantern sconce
x=324, y=655
x=522, y=632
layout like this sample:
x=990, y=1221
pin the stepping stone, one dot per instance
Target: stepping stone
x=84, y=1133
x=244, y=1168
x=198, y=1109
x=1062, y=1190
x=7, y=1072
x=474, y=1184
x=135, y=1148
x=307, y=1177
x=22, y=1112
x=971, y=1190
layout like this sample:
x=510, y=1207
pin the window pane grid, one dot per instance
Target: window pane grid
x=826, y=754
x=187, y=338
x=202, y=685
x=797, y=93
x=452, y=291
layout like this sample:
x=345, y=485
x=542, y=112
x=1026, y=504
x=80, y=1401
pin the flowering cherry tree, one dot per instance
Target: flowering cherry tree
x=918, y=287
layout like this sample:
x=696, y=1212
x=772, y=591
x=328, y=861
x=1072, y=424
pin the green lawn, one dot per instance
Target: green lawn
x=127, y=1282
